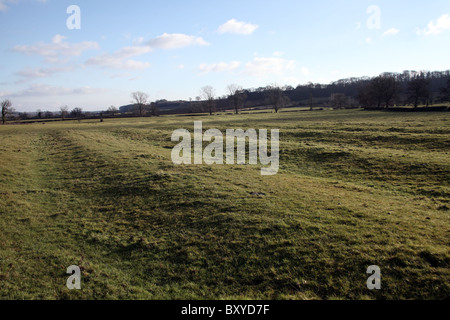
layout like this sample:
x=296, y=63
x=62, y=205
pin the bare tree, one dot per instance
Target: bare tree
x=311, y=102
x=385, y=88
x=112, y=110
x=77, y=113
x=237, y=96
x=379, y=92
x=418, y=89
x=64, y=112
x=6, y=109
x=154, y=109
x=208, y=93
x=23, y=116
x=365, y=96
x=445, y=92
x=197, y=105
x=339, y=100
x=275, y=97
x=140, y=99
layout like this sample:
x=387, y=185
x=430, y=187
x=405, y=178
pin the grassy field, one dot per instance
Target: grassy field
x=355, y=189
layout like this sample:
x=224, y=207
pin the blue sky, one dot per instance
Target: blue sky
x=170, y=49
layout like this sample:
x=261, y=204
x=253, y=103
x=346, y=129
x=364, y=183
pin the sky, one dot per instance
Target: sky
x=93, y=54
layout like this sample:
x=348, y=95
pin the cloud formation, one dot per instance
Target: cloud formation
x=39, y=90
x=111, y=61
x=120, y=59
x=30, y=73
x=175, y=41
x=218, y=67
x=436, y=27
x=391, y=32
x=260, y=67
x=58, y=50
x=236, y=27
x=269, y=66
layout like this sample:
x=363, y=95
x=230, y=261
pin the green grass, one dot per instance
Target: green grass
x=354, y=189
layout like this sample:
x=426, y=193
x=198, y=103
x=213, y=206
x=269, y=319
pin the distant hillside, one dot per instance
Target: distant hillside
x=163, y=106
x=317, y=95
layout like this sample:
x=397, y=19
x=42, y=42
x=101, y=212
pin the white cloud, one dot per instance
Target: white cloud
x=111, y=61
x=259, y=67
x=119, y=75
x=278, y=54
x=138, y=41
x=269, y=66
x=58, y=50
x=128, y=52
x=58, y=39
x=41, y=72
x=38, y=90
x=219, y=67
x=237, y=27
x=120, y=59
x=436, y=27
x=369, y=41
x=391, y=32
x=176, y=41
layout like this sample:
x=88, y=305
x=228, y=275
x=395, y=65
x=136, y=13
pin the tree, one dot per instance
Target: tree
x=237, y=96
x=339, y=100
x=64, y=112
x=418, y=89
x=6, y=109
x=275, y=97
x=311, y=102
x=39, y=113
x=77, y=113
x=140, y=99
x=445, y=92
x=379, y=92
x=366, y=96
x=112, y=110
x=154, y=109
x=385, y=88
x=208, y=93
x=196, y=106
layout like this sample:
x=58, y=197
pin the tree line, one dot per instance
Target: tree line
x=381, y=92
x=390, y=89
x=409, y=88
